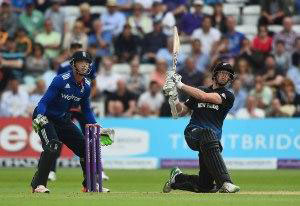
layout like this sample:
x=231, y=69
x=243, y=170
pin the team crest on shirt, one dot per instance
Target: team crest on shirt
x=223, y=95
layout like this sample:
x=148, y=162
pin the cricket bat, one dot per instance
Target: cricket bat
x=176, y=45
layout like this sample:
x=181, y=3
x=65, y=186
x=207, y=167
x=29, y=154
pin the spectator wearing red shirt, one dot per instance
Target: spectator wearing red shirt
x=262, y=42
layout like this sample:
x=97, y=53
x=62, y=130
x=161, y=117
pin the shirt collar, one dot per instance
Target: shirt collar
x=81, y=84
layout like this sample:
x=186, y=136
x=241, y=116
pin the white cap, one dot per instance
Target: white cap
x=198, y=2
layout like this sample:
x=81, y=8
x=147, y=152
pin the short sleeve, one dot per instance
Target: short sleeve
x=227, y=99
x=190, y=103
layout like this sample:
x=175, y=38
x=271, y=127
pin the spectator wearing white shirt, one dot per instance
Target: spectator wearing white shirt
x=113, y=21
x=152, y=99
x=160, y=13
x=250, y=111
x=57, y=16
x=106, y=79
x=14, y=101
x=36, y=95
x=207, y=35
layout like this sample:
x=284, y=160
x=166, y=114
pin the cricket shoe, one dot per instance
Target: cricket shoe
x=104, y=176
x=174, y=172
x=228, y=187
x=40, y=189
x=52, y=176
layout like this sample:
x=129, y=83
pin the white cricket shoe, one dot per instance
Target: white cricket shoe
x=104, y=176
x=105, y=190
x=174, y=172
x=40, y=189
x=228, y=187
x=52, y=176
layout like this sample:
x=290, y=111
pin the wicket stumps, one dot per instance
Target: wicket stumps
x=93, y=158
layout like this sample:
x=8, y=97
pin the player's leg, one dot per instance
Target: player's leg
x=73, y=138
x=201, y=183
x=211, y=148
x=51, y=146
x=52, y=173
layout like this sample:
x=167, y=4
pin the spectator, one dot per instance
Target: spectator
x=262, y=93
x=282, y=58
x=23, y=42
x=77, y=34
x=235, y=38
x=207, y=35
x=152, y=99
x=296, y=54
x=11, y=59
x=177, y=7
x=3, y=37
x=202, y=60
x=272, y=76
x=159, y=75
x=86, y=17
x=31, y=19
x=250, y=111
x=152, y=42
x=240, y=95
x=8, y=20
x=191, y=21
x=139, y=22
x=276, y=109
x=147, y=4
x=220, y=51
x=50, y=40
x=36, y=63
x=121, y=102
x=287, y=95
x=14, y=101
x=294, y=74
x=126, y=45
x=136, y=82
x=244, y=71
x=57, y=16
x=287, y=35
x=113, y=21
x=36, y=95
x=246, y=51
x=160, y=13
x=219, y=18
x=101, y=39
x=262, y=42
x=190, y=75
x=273, y=12
x=167, y=54
x=106, y=79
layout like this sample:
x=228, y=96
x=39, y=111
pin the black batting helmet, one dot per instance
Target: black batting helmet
x=224, y=66
x=81, y=56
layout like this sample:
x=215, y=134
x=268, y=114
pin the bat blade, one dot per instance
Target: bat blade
x=176, y=45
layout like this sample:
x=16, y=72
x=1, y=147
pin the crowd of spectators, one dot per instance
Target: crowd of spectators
x=36, y=35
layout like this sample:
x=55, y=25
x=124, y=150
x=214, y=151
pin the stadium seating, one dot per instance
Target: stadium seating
x=249, y=30
x=251, y=14
x=98, y=9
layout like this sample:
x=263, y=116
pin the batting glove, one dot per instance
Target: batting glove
x=39, y=122
x=177, y=79
x=107, y=136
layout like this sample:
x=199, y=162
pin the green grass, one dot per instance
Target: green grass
x=143, y=188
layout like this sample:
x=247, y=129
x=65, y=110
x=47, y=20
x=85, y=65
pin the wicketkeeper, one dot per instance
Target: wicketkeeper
x=52, y=120
x=209, y=107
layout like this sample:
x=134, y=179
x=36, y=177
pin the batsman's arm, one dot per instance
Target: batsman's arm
x=181, y=108
x=214, y=98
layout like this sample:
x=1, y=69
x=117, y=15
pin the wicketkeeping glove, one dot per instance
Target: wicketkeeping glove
x=107, y=136
x=39, y=122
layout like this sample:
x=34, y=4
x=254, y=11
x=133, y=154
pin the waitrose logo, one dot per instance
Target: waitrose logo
x=70, y=97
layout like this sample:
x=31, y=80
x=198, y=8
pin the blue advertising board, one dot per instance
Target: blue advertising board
x=163, y=138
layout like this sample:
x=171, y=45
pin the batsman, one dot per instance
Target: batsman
x=209, y=107
x=52, y=119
